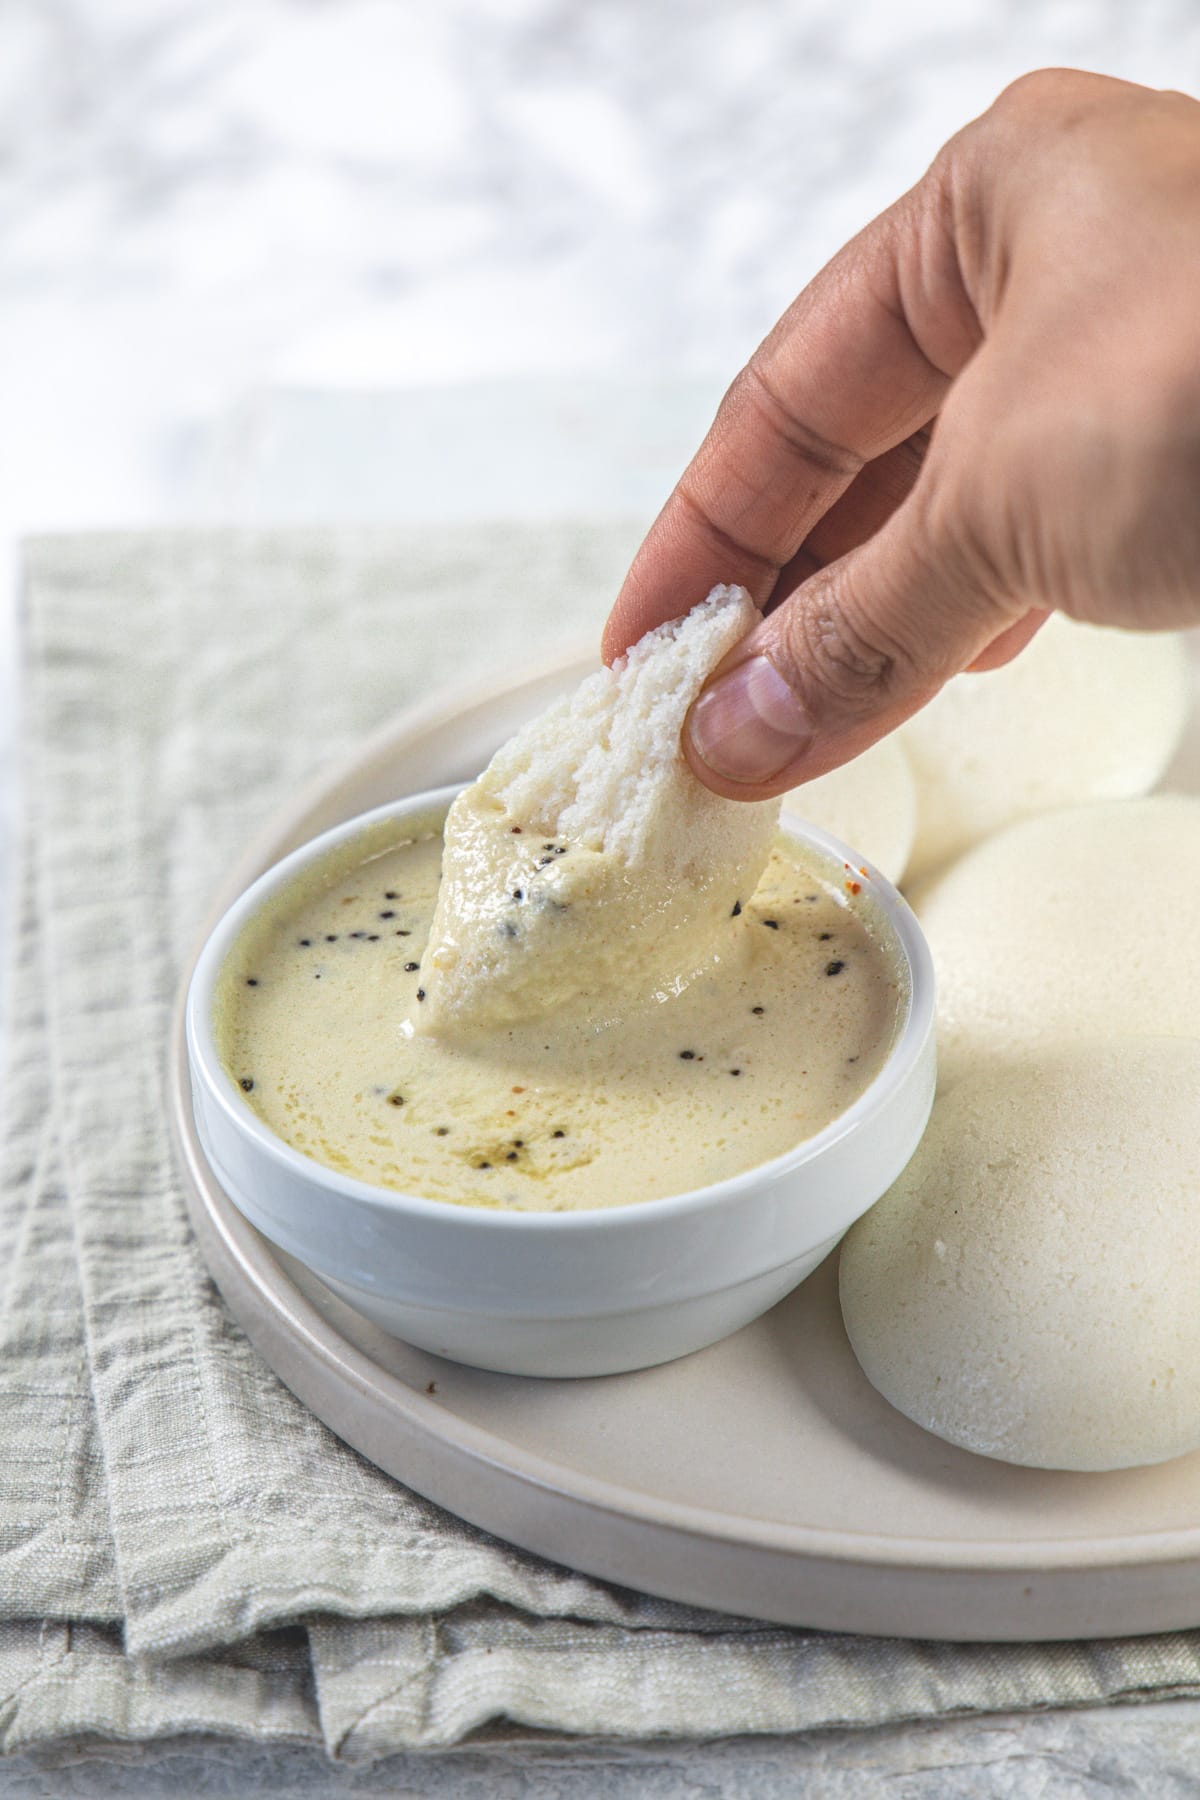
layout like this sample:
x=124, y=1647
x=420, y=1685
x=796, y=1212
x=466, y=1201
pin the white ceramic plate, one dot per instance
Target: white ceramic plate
x=763, y=1476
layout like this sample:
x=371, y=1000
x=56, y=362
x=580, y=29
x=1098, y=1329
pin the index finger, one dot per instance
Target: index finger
x=860, y=360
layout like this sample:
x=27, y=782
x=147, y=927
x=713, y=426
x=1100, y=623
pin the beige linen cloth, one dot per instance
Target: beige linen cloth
x=183, y=1548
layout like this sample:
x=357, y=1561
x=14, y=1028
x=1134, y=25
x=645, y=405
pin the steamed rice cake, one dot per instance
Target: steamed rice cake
x=1028, y=1288
x=870, y=803
x=1083, y=713
x=587, y=862
x=1083, y=922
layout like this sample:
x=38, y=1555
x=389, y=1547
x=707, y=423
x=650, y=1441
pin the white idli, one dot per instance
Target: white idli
x=1028, y=1288
x=870, y=803
x=1084, y=922
x=1083, y=713
x=587, y=858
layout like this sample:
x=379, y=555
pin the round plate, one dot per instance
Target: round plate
x=763, y=1476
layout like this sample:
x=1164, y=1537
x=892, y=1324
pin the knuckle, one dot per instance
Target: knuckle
x=1045, y=92
x=754, y=391
x=837, y=648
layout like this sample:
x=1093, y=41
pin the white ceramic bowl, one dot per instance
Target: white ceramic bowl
x=583, y=1293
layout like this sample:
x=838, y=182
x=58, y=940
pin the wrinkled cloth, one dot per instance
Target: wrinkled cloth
x=183, y=1547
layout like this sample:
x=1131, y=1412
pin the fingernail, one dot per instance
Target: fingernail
x=749, y=725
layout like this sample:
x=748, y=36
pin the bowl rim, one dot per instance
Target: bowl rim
x=901, y=1064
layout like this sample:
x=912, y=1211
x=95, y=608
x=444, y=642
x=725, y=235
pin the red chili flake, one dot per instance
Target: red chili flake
x=855, y=887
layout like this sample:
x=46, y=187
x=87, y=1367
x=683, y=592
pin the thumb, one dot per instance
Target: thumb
x=843, y=661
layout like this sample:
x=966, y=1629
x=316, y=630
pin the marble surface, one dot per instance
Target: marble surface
x=311, y=259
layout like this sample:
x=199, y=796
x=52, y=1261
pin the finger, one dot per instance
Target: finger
x=851, y=654
x=867, y=504
x=1010, y=643
x=858, y=363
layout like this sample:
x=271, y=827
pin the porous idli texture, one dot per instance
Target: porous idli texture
x=587, y=860
x=1028, y=1288
x=1083, y=922
x=1083, y=713
x=870, y=803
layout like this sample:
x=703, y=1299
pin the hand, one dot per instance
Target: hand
x=1036, y=298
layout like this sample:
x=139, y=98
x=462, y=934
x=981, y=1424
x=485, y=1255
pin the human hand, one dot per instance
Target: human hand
x=1036, y=297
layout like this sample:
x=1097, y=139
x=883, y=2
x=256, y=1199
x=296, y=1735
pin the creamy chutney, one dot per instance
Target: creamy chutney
x=788, y=1023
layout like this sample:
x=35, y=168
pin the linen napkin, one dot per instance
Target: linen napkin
x=183, y=1547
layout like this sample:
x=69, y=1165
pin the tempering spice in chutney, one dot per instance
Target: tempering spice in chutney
x=785, y=1028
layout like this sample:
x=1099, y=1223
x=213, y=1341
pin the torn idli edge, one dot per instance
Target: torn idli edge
x=870, y=803
x=1079, y=923
x=587, y=860
x=1027, y=1288
x=1083, y=713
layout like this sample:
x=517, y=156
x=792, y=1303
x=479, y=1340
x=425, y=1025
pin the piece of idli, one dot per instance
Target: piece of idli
x=587, y=860
x=1083, y=922
x=1028, y=1287
x=1083, y=713
x=870, y=803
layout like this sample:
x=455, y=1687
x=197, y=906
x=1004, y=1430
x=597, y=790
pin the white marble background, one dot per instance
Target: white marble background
x=303, y=259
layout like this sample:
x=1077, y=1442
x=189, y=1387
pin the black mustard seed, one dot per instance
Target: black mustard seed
x=246, y=1083
x=834, y=968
